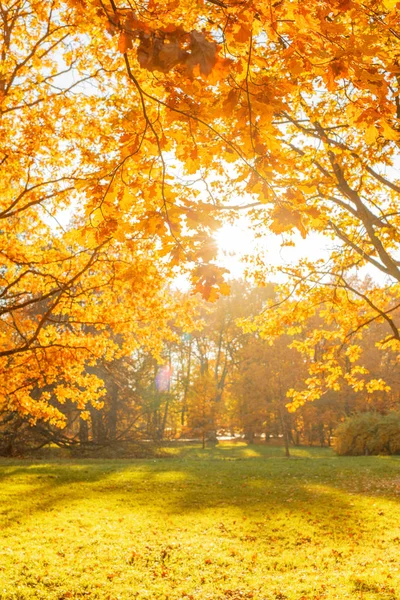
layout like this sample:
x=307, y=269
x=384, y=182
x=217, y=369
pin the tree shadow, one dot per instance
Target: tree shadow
x=302, y=512
x=250, y=488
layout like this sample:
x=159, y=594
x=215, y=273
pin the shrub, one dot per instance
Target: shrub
x=369, y=433
x=389, y=433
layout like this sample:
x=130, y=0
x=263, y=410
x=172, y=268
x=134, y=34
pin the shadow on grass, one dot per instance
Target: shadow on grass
x=215, y=482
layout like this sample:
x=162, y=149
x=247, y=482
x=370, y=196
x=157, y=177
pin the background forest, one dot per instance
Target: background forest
x=215, y=381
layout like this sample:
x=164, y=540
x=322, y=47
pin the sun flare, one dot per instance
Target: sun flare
x=235, y=240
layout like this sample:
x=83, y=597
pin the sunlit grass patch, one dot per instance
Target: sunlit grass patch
x=240, y=450
x=219, y=524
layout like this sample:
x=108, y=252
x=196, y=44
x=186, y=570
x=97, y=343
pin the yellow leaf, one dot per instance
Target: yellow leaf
x=388, y=131
x=389, y=4
x=96, y=217
x=285, y=220
x=371, y=134
x=224, y=289
x=127, y=200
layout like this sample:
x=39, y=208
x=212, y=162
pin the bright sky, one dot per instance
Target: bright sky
x=237, y=240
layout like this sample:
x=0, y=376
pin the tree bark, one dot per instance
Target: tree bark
x=284, y=430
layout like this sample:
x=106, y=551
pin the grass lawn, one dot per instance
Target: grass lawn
x=229, y=523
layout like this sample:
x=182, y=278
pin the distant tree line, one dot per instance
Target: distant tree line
x=215, y=380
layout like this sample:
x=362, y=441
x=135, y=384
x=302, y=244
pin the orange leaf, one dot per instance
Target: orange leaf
x=125, y=42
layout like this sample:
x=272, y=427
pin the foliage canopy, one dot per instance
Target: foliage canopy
x=152, y=121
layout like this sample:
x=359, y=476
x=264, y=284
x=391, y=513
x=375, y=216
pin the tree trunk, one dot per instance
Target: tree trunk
x=284, y=430
x=249, y=436
x=321, y=435
x=286, y=441
x=187, y=384
x=161, y=432
x=99, y=434
x=83, y=431
x=113, y=413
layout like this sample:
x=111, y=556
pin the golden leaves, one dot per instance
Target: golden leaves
x=325, y=85
x=285, y=219
x=202, y=53
x=390, y=4
x=160, y=53
x=376, y=385
x=353, y=352
x=125, y=42
x=230, y=102
x=242, y=33
x=164, y=48
x=209, y=281
x=388, y=132
x=371, y=134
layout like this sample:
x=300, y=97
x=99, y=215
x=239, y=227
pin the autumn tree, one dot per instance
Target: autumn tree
x=202, y=417
x=212, y=349
x=64, y=273
x=294, y=106
x=153, y=122
x=264, y=375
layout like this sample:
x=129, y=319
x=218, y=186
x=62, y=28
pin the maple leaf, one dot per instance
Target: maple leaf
x=284, y=219
x=208, y=250
x=209, y=281
x=125, y=42
x=165, y=49
x=243, y=33
x=231, y=101
x=390, y=4
x=203, y=53
x=159, y=54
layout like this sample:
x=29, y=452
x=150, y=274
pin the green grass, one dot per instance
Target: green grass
x=229, y=523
